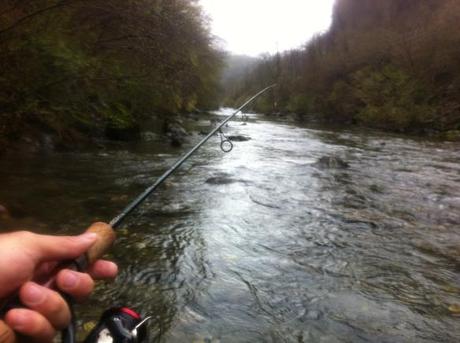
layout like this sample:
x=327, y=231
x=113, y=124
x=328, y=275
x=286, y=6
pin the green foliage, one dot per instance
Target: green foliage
x=301, y=104
x=119, y=117
x=342, y=104
x=96, y=64
x=391, y=99
x=264, y=105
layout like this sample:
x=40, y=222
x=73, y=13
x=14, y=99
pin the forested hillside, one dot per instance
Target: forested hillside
x=392, y=64
x=73, y=67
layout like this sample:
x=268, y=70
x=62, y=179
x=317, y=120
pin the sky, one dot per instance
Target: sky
x=253, y=27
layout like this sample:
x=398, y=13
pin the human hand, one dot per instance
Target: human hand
x=26, y=257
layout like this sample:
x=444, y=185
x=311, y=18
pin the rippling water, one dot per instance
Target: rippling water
x=264, y=244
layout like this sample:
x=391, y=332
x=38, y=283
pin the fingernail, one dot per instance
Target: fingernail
x=114, y=268
x=70, y=280
x=33, y=295
x=89, y=236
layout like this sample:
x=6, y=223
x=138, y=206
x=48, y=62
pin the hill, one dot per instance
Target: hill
x=393, y=65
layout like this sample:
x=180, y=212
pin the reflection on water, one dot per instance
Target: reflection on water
x=263, y=244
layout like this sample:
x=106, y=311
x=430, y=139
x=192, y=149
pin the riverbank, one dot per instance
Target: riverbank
x=321, y=120
x=37, y=135
x=42, y=137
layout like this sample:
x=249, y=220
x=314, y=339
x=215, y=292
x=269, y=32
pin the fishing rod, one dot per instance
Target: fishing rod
x=119, y=325
x=116, y=222
x=131, y=318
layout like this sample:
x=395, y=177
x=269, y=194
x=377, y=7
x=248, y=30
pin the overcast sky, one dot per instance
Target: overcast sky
x=252, y=27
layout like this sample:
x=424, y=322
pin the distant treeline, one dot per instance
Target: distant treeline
x=392, y=64
x=77, y=65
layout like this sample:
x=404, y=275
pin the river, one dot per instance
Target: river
x=265, y=244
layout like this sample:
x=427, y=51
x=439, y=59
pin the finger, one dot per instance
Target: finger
x=78, y=285
x=31, y=324
x=6, y=334
x=102, y=269
x=50, y=248
x=46, y=302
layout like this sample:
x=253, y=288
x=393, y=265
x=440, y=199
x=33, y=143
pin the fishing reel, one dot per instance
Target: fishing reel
x=119, y=325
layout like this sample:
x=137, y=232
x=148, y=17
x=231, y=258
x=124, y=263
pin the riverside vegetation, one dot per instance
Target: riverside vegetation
x=74, y=69
x=392, y=65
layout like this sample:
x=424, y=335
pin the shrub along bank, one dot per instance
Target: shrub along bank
x=73, y=69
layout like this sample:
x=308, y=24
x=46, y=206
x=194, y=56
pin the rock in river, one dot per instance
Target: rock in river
x=221, y=180
x=175, y=132
x=239, y=138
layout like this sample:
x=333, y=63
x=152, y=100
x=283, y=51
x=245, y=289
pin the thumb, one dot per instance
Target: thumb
x=6, y=334
x=54, y=248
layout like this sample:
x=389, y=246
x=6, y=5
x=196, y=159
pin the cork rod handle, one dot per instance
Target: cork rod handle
x=106, y=238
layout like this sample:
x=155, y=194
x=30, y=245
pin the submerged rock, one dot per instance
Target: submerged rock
x=331, y=162
x=141, y=246
x=239, y=138
x=455, y=309
x=221, y=180
x=449, y=251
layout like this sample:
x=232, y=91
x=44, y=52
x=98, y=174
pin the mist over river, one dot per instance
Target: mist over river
x=297, y=235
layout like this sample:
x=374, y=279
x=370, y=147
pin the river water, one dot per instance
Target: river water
x=265, y=244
